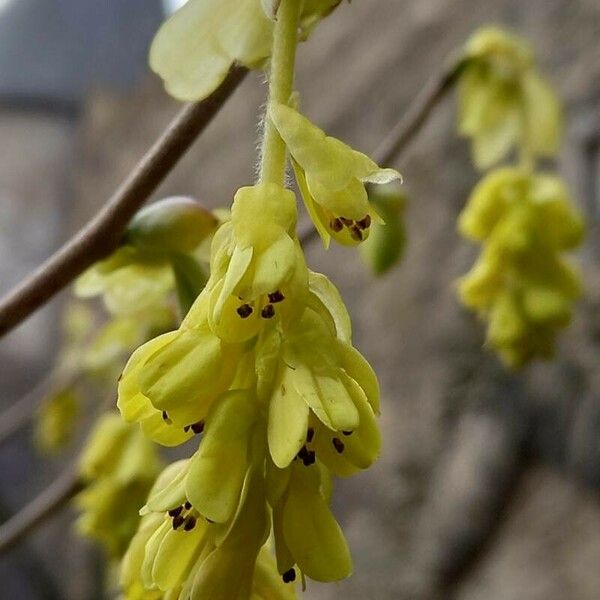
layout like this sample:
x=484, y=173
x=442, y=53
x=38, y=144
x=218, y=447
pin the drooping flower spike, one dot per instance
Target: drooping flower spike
x=331, y=177
x=119, y=466
x=521, y=284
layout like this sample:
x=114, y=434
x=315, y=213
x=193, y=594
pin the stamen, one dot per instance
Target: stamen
x=347, y=432
x=347, y=222
x=268, y=312
x=186, y=428
x=336, y=225
x=289, y=576
x=365, y=222
x=244, y=311
x=356, y=234
x=165, y=416
x=187, y=505
x=175, y=512
x=310, y=434
x=338, y=445
x=178, y=521
x=190, y=523
x=310, y=458
x=276, y=297
x=198, y=427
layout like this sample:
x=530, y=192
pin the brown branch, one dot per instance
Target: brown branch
x=48, y=503
x=418, y=112
x=103, y=233
x=411, y=123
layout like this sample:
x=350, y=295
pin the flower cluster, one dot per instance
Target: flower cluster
x=504, y=102
x=262, y=367
x=118, y=466
x=525, y=219
x=521, y=283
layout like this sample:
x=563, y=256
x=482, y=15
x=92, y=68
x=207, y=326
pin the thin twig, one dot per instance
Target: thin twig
x=418, y=112
x=104, y=232
x=411, y=122
x=41, y=508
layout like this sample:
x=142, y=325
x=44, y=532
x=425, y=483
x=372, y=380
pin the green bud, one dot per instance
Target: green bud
x=384, y=247
x=177, y=224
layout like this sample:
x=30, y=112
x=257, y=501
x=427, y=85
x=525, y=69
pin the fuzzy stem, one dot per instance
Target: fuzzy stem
x=281, y=81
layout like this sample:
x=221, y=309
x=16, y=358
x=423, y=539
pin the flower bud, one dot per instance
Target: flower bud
x=177, y=224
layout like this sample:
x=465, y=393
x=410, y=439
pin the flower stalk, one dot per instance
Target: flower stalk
x=281, y=81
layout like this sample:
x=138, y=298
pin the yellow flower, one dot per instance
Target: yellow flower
x=318, y=386
x=157, y=251
x=119, y=465
x=257, y=265
x=521, y=283
x=331, y=177
x=503, y=101
x=55, y=424
x=178, y=551
x=194, y=50
x=128, y=281
x=171, y=381
x=306, y=534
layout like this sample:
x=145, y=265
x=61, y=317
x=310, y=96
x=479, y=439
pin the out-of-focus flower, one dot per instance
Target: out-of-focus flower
x=119, y=466
x=504, y=102
x=521, y=283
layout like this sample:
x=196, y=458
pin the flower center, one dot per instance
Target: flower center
x=184, y=516
x=356, y=227
x=265, y=304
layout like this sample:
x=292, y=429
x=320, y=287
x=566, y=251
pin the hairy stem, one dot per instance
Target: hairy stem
x=281, y=81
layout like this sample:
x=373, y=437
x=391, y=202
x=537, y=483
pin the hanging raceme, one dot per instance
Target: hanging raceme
x=504, y=102
x=525, y=219
x=119, y=466
x=262, y=367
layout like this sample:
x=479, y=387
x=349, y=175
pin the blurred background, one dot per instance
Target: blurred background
x=489, y=482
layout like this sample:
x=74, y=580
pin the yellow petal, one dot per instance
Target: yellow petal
x=312, y=534
x=288, y=423
x=212, y=489
x=195, y=48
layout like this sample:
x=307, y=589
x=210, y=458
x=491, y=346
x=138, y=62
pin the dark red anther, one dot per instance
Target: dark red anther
x=310, y=434
x=175, y=512
x=347, y=222
x=198, y=427
x=336, y=225
x=268, y=312
x=365, y=222
x=190, y=523
x=177, y=521
x=347, y=433
x=276, y=297
x=165, y=416
x=356, y=234
x=244, y=311
x=187, y=505
x=338, y=445
x=289, y=576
